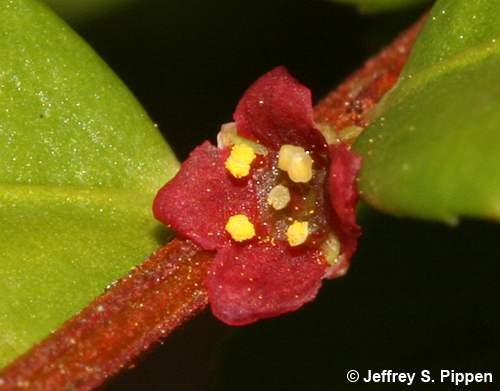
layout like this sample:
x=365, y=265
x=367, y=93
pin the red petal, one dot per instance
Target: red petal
x=247, y=283
x=343, y=192
x=277, y=110
x=199, y=200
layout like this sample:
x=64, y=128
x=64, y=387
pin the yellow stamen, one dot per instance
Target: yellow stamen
x=279, y=197
x=296, y=162
x=240, y=228
x=239, y=161
x=297, y=233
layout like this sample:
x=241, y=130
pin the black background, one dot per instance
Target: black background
x=418, y=296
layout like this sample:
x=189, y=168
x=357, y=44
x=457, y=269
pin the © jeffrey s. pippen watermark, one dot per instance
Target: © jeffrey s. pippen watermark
x=449, y=376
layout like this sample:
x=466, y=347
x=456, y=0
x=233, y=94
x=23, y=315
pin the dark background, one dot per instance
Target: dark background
x=418, y=295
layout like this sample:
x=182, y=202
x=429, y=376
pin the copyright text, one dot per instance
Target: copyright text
x=448, y=376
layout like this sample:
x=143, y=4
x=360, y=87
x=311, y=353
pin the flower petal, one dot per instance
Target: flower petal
x=343, y=193
x=247, y=283
x=278, y=110
x=200, y=199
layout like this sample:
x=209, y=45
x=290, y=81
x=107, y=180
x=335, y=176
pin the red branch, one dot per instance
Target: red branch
x=112, y=331
x=349, y=103
x=161, y=294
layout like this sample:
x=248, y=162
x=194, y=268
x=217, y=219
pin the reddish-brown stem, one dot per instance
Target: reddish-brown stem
x=349, y=103
x=112, y=331
x=167, y=289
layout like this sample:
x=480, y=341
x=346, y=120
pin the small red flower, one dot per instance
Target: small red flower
x=274, y=200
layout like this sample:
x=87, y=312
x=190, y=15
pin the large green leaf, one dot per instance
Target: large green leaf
x=374, y=6
x=80, y=162
x=434, y=151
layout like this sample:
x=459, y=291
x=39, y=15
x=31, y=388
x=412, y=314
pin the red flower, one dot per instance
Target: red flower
x=279, y=211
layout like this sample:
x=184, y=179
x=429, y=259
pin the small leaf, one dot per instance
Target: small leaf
x=375, y=6
x=80, y=164
x=434, y=150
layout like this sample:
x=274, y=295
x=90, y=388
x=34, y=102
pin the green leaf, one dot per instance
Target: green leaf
x=376, y=6
x=80, y=163
x=434, y=150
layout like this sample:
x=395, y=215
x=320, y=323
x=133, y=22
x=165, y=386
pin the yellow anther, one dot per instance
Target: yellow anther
x=296, y=162
x=239, y=161
x=279, y=197
x=240, y=228
x=297, y=233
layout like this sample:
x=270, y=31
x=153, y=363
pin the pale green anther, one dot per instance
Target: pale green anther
x=334, y=137
x=331, y=249
x=229, y=136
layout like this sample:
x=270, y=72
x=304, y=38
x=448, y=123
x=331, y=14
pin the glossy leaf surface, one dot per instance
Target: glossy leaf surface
x=80, y=163
x=434, y=150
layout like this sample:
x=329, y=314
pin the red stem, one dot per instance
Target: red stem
x=137, y=312
x=350, y=102
x=166, y=290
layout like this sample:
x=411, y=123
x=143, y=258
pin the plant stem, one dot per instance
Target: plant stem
x=135, y=313
x=350, y=102
x=161, y=294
